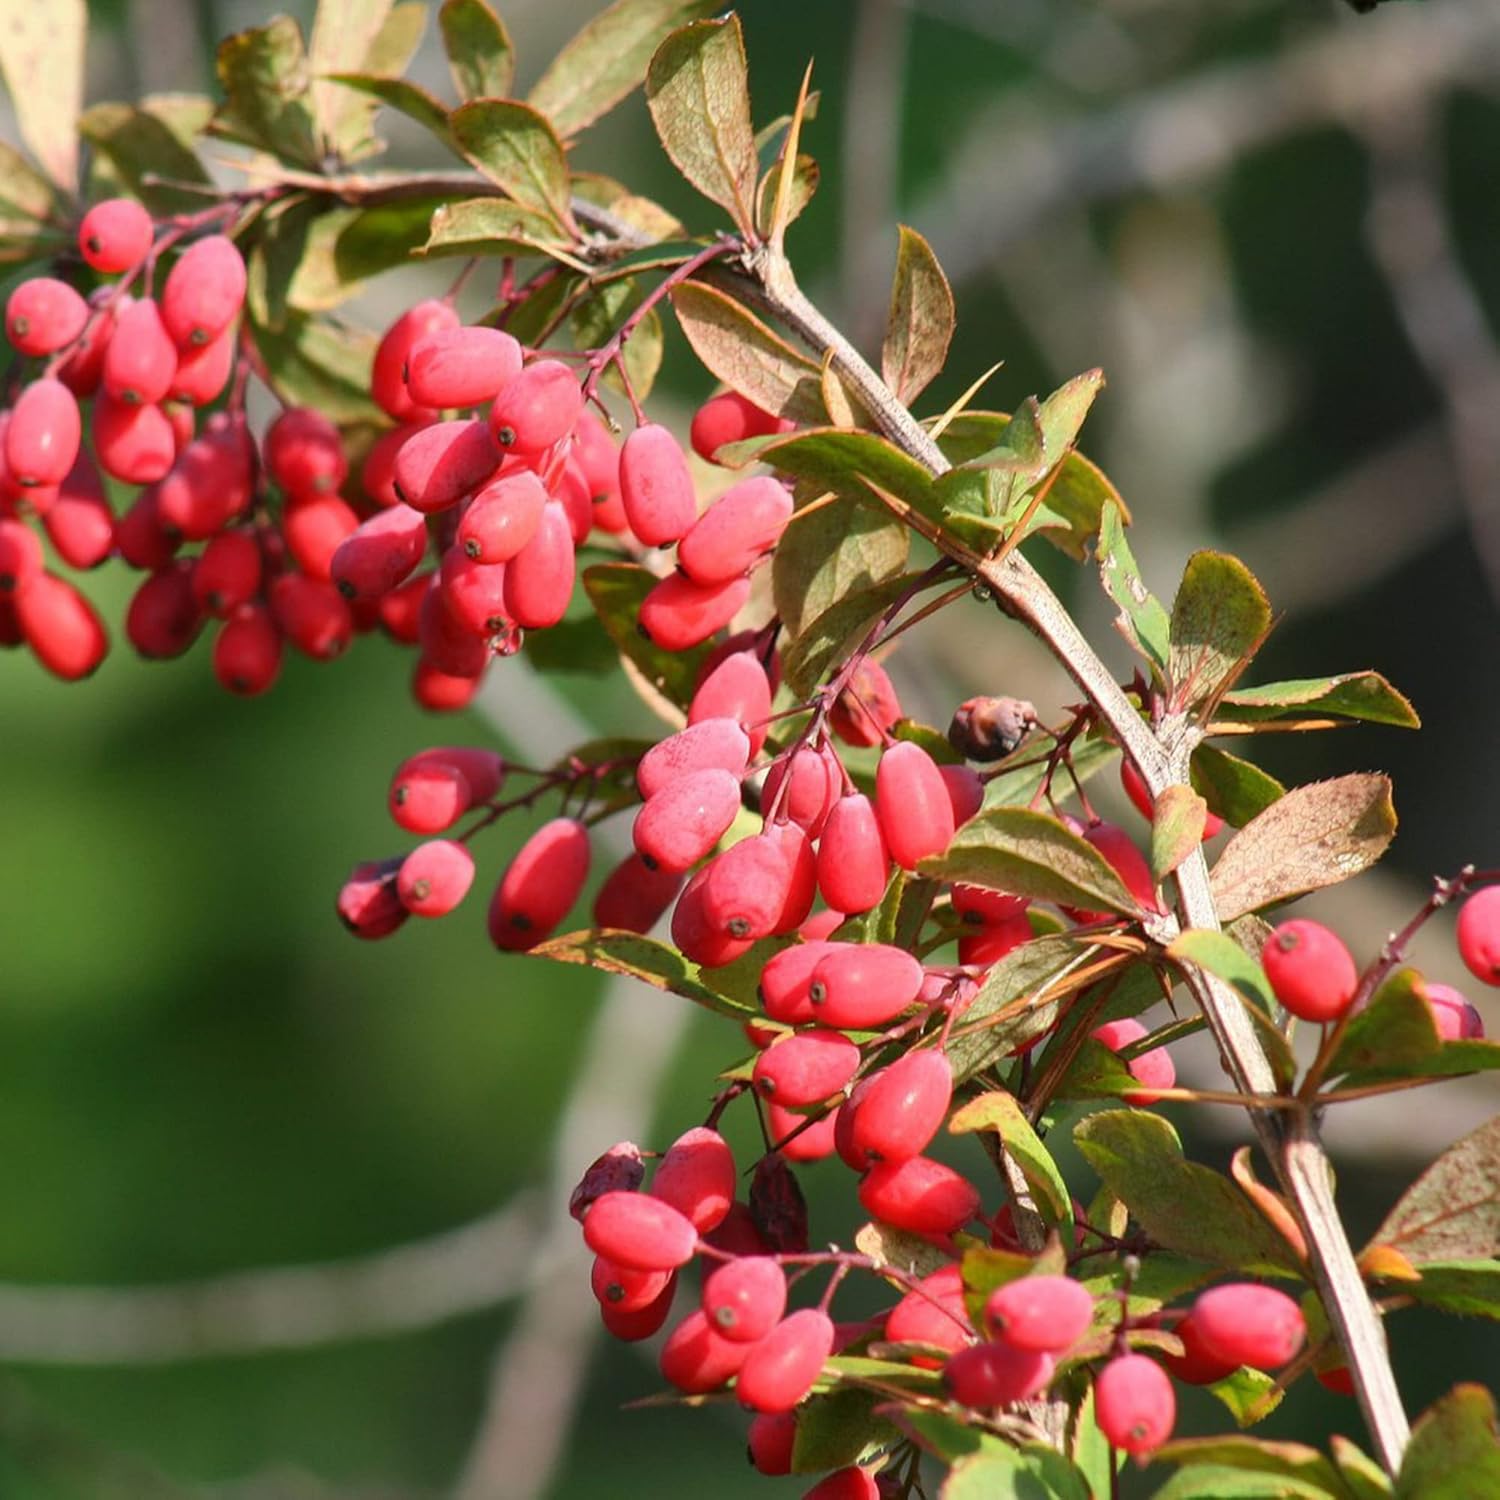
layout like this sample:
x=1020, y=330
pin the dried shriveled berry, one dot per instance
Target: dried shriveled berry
x=986, y=729
x=867, y=709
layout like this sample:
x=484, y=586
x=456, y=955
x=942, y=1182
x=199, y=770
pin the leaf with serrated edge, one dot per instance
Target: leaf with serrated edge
x=480, y=55
x=1315, y=836
x=1235, y=789
x=477, y=225
x=1219, y=618
x=1452, y=1211
x=919, y=326
x=1031, y=854
x=1455, y=1449
x=1182, y=1205
x=515, y=148
x=840, y=548
x=41, y=56
x=999, y=1111
x=264, y=72
x=1353, y=695
x=1176, y=828
x=607, y=59
x=697, y=87
x=1142, y=619
x=737, y=348
x=641, y=958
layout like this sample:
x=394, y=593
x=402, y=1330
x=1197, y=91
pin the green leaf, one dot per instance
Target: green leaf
x=1176, y=828
x=480, y=55
x=1470, y=1288
x=342, y=35
x=1455, y=1449
x=643, y=958
x=1452, y=1211
x=1314, y=836
x=1233, y=788
x=1032, y=1472
x=616, y=591
x=1162, y=1279
x=1394, y=1033
x=999, y=1111
x=945, y=1436
x=1142, y=619
x=1223, y=957
x=137, y=142
x=25, y=195
x=737, y=348
x=596, y=316
x=698, y=89
x=1221, y=1482
x=41, y=56
x=842, y=461
x=1248, y=1395
x=267, y=95
x=407, y=99
x=1015, y=788
x=805, y=176
x=1354, y=695
x=900, y=1248
x=607, y=59
x=841, y=548
x=1256, y=1456
x=1219, y=618
x=1363, y=1477
x=376, y=239
x=514, y=146
x=834, y=633
x=491, y=226
x=1182, y=1205
x=1096, y=1072
x=919, y=326
x=838, y=1429
x=397, y=41
x=323, y=363
x=1031, y=854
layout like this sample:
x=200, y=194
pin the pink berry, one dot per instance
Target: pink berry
x=1245, y=1324
x=164, y=618
x=133, y=444
x=435, y=877
x=1134, y=1404
x=1479, y=934
x=704, y=944
x=247, y=651
x=634, y=896
x=203, y=292
x=853, y=865
x=919, y=1194
x=43, y=434
x=635, y=1324
x=736, y=531
x=785, y=979
x=697, y=1177
x=746, y=887
x=736, y=688
x=801, y=886
x=141, y=360
x=536, y=408
x=934, y=1313
x=62, y=628
x=656, y=486
x=903, y=1106
x=227, y=573
x=21, y=557
x=367, y=904
x=686, y=818
x=806, y=1069
x=730, y=418
x=812, y=783
x=745, y=1298
x=540, y=885
x=438, y=465
x=986, y=1375
x=965, y=792
x=862, y=986
x=780, y=1370
x=793, y=1136
x=709, y=743
x=115, y=235
x=503, y=517
x=379, y=553
x=1195, y=1365
x=44, y=314
x=312, y=615
x=388, y=377
x=1153, y=1068
x=625, y=1287
x=851, y=1483
x=1311, y=972
x=773, y=1436
x=696, y=1358
x=868, y=708
x=639, y=1231
x=1045, y=1314
x=313, y=529
x=912, y=803
x=678, y=614
x=452, y=367
x=539, y=578
x=1457, y=1020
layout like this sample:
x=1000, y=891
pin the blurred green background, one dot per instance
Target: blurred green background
x=1273, y=223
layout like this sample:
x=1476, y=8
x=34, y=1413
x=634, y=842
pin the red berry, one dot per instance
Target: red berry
x=368, y=905
x=429, y=794
x=1479, y=934
x=745, y=888
x=996, y=1374
x=43, y=314
x=861, y=986
x=624, y=1287
x=141, y=359
x=802, y=874
x=144, y=542
x=210, y=483
x=656, y=487
x=780, y=1370
x=697, y=1178
x=912, y=803
x=82, y=367
x=704, y=944
x=806, y=1069
x=737, y=688
x=1195, y=1365
x=785, y=979
x=446, y=642
x=1127, y=861
x=442, y=692
x=686, y=818
x=641, y=1322
x=868, y=708
x=203, y=292
x=247, y=651
x=312, y=615
x=1456, y=1019
x=1311, y=972
x=850, y=1483
x=902, y=1107
x=115, y=235
x=305, y=454
x=539, y=578
x=314, y=529
x=696, y=1359
x=736, y=531
x=375, y=557
x=227, y=573
x=164, y=617
x=935, y=1313
x=1134, y=1404
x=678, y=613
x=853, y=865
x=79, y=522
x=919, y=1194
x=438, y=465
x=435, y=877
x=1045, y=1314
x=536, y=408
x=21, y=557
x=540, y=885
x=388, y=376
x=42, y=436
x=699, y=747
x=599, y=460
x=474, y=593
x=965, y=792
x=400, y=610
x=1153, y=1068
x=813, y=783
x=62, y=628
x=730, y=418
x=745, y=1298
x=1245, y=1324
x=634, y=896
x=133, y=444
x=503, y=517
x=793, y=1136
x=461, y=366
x=773, y=1436
x=639, y=1231
x=986, y=908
